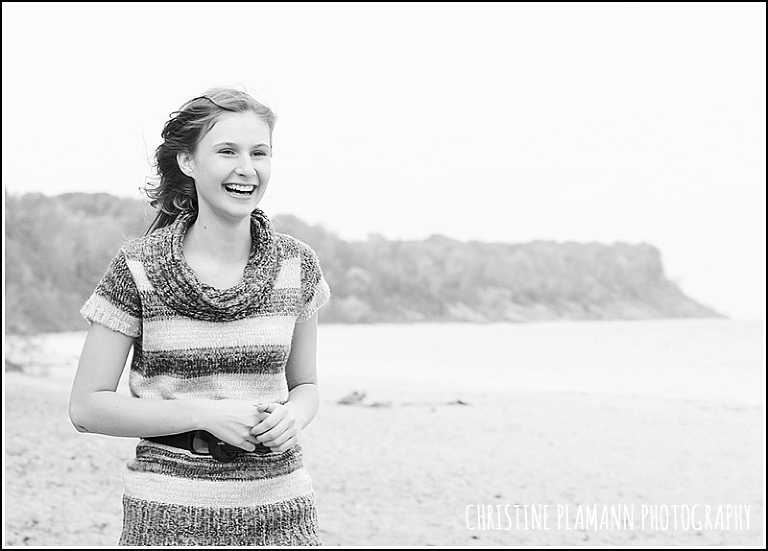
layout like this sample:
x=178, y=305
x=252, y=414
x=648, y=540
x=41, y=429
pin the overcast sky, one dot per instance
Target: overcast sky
x=499, y=122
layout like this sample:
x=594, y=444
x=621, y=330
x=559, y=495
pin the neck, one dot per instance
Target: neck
x=224, y=241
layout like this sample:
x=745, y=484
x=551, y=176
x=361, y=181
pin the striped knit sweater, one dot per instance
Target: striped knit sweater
x=195, y=341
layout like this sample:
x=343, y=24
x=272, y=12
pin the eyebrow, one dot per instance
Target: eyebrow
x=233, y=144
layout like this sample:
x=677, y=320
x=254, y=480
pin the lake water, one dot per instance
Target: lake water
x=708, y=359
x=697, y=359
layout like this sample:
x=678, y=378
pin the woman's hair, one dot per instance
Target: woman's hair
x=175, y=192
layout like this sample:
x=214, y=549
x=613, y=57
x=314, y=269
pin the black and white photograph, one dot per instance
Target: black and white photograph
x=367, y=274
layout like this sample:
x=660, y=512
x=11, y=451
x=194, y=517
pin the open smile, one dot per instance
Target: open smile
x=240, y=190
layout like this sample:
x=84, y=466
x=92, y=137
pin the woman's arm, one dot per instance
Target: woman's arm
x=280, y=430
x=301, y=371
x=94, y=406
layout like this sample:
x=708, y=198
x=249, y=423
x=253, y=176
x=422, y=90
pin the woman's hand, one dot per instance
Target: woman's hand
x=231, y=421
x=280, y=429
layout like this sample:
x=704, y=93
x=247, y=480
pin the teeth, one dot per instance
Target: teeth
x=241, y=187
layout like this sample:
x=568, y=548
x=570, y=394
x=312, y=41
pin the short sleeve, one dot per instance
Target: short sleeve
x=115, y=302
x=314, y=289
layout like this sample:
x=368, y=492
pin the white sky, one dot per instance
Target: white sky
x=499, y=122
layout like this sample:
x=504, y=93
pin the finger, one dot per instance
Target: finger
x=283, y=438
x=272, y=434
x=259, y=414
x=286, y=445
x=263, y=426
x=245, y=443
x=268, y=423
x=248, y=446
x=258, y=417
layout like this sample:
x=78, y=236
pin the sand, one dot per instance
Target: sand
x=408, y=470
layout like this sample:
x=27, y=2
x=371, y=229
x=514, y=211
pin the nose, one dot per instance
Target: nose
x=245, y=169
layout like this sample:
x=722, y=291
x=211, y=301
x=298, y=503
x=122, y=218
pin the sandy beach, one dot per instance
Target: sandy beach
x=405, y=467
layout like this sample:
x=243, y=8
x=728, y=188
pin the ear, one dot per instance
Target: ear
x=186, y=163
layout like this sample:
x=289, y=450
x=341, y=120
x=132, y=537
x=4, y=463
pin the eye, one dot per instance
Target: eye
x=227, y=151
x=260, y=153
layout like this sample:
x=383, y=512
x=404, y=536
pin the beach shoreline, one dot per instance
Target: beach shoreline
x=399, y=467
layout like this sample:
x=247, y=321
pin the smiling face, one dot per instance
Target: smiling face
x=231, y=166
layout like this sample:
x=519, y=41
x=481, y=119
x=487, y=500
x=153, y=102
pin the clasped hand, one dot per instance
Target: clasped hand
x=245, y=424
x=279, y=430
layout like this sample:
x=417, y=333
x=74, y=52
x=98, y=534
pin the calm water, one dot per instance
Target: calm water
x=708, y=359
x=714, y=359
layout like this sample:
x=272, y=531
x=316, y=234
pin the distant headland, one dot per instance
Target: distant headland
x=57, y=249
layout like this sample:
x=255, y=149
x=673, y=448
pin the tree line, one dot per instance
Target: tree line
x=57, y=249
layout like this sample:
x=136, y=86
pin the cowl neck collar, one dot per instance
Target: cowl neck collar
x=178, y=286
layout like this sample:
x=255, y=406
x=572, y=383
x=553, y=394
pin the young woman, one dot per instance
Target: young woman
x=221, y=313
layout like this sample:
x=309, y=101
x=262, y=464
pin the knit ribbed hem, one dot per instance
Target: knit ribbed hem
x=291, y=522
x=321, y=296
x=98, y=309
